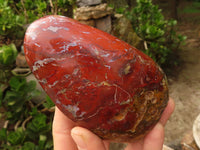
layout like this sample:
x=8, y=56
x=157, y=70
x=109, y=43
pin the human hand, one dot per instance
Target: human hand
x=68, y=137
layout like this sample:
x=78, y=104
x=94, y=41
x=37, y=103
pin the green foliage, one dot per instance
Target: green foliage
x=158, y=34
x=3, y=134
x=147, y=20
x=120, y=10
x=17, y=97
x=36, y=136
x=15, y=15
x=8, y=54
x=193, y=8
x=11, y=24
x=34, y=131
x=38, y=125
x=40, y=8
x=32, y=11
x=16, y=137
x=48, y=103
x=40, y=129
x=32, y=128
x=28, y=146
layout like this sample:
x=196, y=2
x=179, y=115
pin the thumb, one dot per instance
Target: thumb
x=86, y=140
x=155, y=139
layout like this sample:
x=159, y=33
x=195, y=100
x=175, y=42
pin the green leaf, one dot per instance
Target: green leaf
x=49, y=103
x=49, y=144
x=3, y=134
x=28, y=146
x=30, y=86
x=34, y=112
x=16, y=137
x=35, y=93
x=10, y=97
x=8, y=54
x=17, y=82
x=42, y=141
x=43, y=138
x=38, y=124
x=11, y=102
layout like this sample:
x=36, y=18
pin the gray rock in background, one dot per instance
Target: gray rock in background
x=98, y=16
x=42, y=96
x=104, y=24
x=123, y=29
x=94, y=12
x=82, y=3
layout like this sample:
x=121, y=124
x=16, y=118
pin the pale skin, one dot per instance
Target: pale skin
x=67, y=136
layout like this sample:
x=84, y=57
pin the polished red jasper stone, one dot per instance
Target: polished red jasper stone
x=97, y=80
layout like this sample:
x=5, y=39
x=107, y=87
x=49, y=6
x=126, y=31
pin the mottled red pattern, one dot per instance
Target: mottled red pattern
x=97, y=80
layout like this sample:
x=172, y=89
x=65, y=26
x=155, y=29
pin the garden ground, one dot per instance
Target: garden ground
x=185, y=88
x=184, y=85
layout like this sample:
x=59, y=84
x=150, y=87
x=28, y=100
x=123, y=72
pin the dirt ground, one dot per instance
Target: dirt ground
x=185, y=86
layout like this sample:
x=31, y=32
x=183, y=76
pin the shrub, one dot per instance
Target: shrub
x=159, y=36
x=16, y=15
x=29, y=123
x=11, y=24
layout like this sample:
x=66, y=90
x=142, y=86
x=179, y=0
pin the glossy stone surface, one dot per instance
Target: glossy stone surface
x=97, y=80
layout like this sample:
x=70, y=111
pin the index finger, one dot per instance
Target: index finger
x=61, y=131
x=167, y=112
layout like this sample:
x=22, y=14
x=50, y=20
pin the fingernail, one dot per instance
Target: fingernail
x=79, y=140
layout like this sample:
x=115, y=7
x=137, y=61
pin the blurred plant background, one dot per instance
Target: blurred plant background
x=26, y=121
